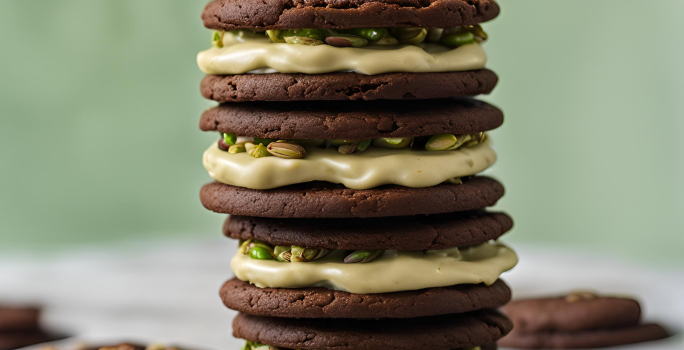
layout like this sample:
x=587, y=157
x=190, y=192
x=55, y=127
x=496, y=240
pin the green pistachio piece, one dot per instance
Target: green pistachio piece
x=441, y=142
x=387, y=40
x=249, y=146
x=455, y=181
x=410, y=36
x=229, y=139
x=301, y=254
x=344, y=40
x=362, y=256
x=393, y=142
x=434, y=34
x=244, y=246
x=287, y=150
x=260, y=253
x=476, y=139
x=217, y=39
x=259, y=151
x=318, y=34
x=239, y=148
x=458, y=39
x=300, y=40
x=478, y=32
x=282, y=253
x=348, y=149
x=372, y=34
x=363, y=145
x=274, y=35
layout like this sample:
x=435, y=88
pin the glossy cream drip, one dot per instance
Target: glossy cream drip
x=394, y=271
x=243, y=53
x=371, y=168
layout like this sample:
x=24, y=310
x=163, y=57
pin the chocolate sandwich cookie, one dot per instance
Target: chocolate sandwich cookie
x=325, y=303
x=280, y=14
x=326, y=200
x=355, y=121
x=437, y=333
x=433, y=232
x=18, y=318
x=346, y=86
x=19, y=339
x=578, y=321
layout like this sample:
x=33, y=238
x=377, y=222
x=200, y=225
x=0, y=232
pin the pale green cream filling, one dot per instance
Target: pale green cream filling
x=394, y=271
x=368, y=169
x=247, y=52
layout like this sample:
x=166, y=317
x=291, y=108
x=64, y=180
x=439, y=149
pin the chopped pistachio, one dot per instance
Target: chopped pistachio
x=458, y=39
x=362, y=256
x=410, y=36
x=363, y=145
x=397, y=142
x=217, y=39
x=260, y=253
x=229, y=139
x=372, y=34
x=274, y=35
x=287, y=150
x=387, y=40
x=238, y=148
x=345, y=40
x=434, y=34
x=300, y=40
x=441, y=142
x=259, y=151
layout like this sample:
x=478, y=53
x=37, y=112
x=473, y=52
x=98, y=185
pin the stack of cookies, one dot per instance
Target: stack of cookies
x=348, y=160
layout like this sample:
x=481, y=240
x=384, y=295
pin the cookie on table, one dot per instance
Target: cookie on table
x=577, y=321
x=439, y=333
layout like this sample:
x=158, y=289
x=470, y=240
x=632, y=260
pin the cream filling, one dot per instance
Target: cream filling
x=243, y=53
x=394, y=271
x=368, y=169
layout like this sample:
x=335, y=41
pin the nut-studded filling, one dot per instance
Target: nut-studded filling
x=296, y=149
x=360, y=37
x=260, y=250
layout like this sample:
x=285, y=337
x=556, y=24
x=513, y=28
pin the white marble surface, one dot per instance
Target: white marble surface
x=167, y=291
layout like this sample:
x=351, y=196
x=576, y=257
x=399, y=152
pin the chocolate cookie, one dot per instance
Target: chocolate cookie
x=18, y=318
x=19, y=339
x=326, y=200
x=435, y=333
x=352, y=120
x=260, y=15
x=326, y=303
x=584, y=339
x=346, y=86
x=568, y=314
x=433, y=232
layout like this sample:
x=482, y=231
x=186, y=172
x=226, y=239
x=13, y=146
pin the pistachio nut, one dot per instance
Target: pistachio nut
x=362, y=256
x=249, y=146
x=318, y=34
x=229, y=138
x=441, y=142
x=455, y=181
x=260, y=253
x=387, y=40
x=348, y=149
x=458, y=39
x=410, y=36
x=434, y=34
x=372, y=34
x=244, y=246
x=478, y=32
x=397, y=142
x=274, y=35
x=476, y=139
x=284, y=256
x=217, y=39
x=363, y=145
x=238, y=148
x=259, y=151
x=301, y=254
x=335, y=143
x=345, y=40
x=301, y=40
x=287, y=150
x=222, y=145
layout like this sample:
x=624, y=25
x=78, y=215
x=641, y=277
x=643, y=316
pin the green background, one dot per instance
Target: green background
x=99, y=107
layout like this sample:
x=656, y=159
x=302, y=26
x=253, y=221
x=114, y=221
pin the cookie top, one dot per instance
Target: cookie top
x=585, y=339
x=435, y=333
x=352, y=120
x=326, y=303
x=260, y=15
x=346, y=86
x=573, y=313
x=431, y=232
x=326, y=200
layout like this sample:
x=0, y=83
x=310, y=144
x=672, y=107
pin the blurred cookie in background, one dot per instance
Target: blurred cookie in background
x=20, y=326
x=580, y=320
